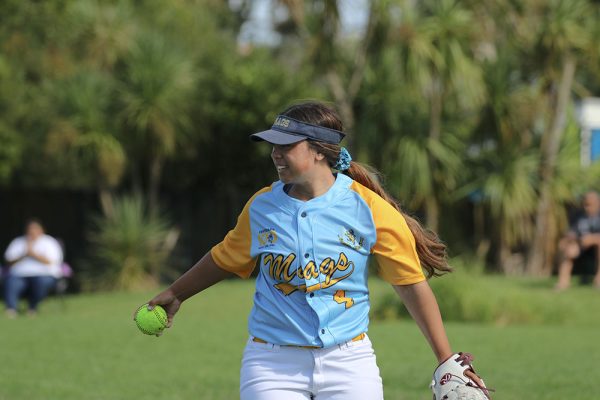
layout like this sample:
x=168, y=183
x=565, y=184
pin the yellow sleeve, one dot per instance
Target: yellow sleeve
x=233, y=253
x=394, y=249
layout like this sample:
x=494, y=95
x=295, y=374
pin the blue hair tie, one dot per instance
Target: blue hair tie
x=343, y=162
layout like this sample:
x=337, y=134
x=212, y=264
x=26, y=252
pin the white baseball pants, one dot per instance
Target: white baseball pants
x=346, y=371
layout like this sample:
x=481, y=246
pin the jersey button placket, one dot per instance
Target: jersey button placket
x=319, y=306
x=304, y=232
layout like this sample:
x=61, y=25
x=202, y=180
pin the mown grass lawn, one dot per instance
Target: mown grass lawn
x=92, y=350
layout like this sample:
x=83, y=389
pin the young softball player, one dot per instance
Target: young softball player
x=310, y=235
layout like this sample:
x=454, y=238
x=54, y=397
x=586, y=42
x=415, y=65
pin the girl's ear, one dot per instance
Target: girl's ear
x=318, y=155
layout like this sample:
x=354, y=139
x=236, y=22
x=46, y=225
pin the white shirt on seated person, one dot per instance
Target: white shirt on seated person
x=42, y=245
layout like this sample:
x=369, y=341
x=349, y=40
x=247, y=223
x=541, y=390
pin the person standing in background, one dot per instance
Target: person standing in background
x=34, y=265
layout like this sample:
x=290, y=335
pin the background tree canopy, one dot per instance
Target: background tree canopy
x=467, y=107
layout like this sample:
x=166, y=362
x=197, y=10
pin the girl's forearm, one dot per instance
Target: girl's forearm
x=423, y=307
x=202, y=275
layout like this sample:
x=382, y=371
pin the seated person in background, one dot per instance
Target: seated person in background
x=34, y=262
x=584, y=234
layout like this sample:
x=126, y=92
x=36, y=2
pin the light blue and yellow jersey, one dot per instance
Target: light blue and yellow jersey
x=311, y=289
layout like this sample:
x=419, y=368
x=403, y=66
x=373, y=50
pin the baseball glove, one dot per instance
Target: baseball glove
x=451, y=383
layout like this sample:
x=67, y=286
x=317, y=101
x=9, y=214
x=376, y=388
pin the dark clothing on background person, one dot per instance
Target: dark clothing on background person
x=585, y=225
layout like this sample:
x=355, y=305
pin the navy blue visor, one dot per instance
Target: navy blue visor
x=287, y=130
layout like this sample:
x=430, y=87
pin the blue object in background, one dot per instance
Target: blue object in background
x=595, y=145
x=476, y=196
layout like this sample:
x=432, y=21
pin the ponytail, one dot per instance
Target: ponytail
x=431, y=250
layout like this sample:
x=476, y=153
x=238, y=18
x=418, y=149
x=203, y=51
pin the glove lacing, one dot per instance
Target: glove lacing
x=465, y=360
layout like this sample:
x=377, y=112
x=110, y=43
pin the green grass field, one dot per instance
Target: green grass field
x=91, y=349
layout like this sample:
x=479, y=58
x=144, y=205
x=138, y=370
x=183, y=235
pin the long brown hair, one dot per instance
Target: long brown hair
x=431, y=250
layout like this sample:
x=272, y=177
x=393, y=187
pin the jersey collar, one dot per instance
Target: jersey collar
x=340, y=186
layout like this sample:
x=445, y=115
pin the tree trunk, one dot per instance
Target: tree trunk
x=106, y=202
x=435, y=115
x=154, y=183
x=504, y=255
x=539, y=262
x=345, y=94
x=482, y=241
x=432, y=211
x=136, y=177
x=435, y=123
x=344, y=103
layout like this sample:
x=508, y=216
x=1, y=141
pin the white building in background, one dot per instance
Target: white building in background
x=589, y=119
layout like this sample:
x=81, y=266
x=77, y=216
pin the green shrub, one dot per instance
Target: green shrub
x=129, y=248
x=473, y=298
x=467, y=295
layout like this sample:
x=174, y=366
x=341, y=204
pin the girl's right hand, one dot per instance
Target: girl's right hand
x=169, y=302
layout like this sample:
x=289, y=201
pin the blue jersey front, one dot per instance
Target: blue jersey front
x=311, y=289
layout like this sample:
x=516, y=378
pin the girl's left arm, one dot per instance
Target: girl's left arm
x=423, y=307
